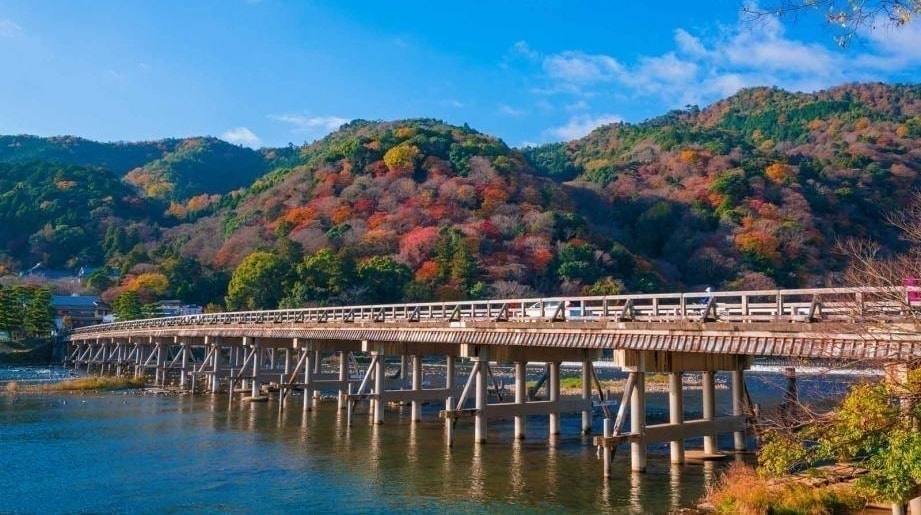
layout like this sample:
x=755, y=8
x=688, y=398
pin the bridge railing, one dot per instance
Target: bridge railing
x=795, y=305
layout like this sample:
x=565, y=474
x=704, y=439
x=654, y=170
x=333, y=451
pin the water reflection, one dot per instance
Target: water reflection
x=674, y=487
x=374, y=449
x=636, y=492
x=477, y=488
x=516, y=470
x=411, y=447
x=551, y=467
x=404, y=463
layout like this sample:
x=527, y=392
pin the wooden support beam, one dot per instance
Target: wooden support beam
x=662, y=433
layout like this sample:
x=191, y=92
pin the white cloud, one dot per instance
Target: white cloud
x=700, y=71
x=656, y=73
x=453, y=102
x=9, y=29
x=896, y=47
x=688, y=44
x=241, y=136
x=578, y=67
x=523, y=49
x=311, y=124
x=511, y=111
x=581, y=125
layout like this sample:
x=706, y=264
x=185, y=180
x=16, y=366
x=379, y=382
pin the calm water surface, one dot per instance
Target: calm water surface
x=117, y=453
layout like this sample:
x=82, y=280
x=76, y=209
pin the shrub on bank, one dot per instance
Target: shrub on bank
x=98, y=383
x=741, y=491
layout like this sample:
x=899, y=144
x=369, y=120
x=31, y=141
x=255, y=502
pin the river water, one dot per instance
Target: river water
x=147, y=453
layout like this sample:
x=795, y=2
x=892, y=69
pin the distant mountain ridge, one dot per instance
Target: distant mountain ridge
x=168, y=169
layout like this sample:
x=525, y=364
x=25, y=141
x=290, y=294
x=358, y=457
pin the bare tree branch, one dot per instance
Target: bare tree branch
x=847, y=17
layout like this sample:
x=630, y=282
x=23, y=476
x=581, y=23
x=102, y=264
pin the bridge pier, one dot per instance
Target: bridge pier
x=587, y=373
x=256, y=389
x=708, y=401
x=215, y=342
x=308, y=358
x=417, y=386
x=638, y=419
x=738, y=392
x=184, y=349
x=160, y=373
x=481, y=362
x=553, y=388
x=676, y=414
x=521, y=396
x=378, y=400
x=343, y=377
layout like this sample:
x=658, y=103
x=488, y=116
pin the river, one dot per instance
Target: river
x=147, y=453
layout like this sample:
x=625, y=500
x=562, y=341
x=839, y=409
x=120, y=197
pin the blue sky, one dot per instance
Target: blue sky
x=270, y=72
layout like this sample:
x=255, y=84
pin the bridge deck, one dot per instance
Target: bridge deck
x=856, y=323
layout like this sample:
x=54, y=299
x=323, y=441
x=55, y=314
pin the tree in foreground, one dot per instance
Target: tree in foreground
x=876, y=426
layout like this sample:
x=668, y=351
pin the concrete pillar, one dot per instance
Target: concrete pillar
x=317, y=368
x=343, y=376
x=638, y=422
x=521, y=396
x=449, y=422
x=379, y=388
x=481, y=399
x=738, y=390
x=676, y=414
x=587, y=396
x=241, y=360
x=160, y=375
x=553, y=387
x=257, y=363
x=137, y=360
x=184, y=349
x=914, y=506
x=216, y=364
x=417, y=385
x=449, y=371
x=308, y=380
x=607, y=431
x=709, y=408
x=404, y=370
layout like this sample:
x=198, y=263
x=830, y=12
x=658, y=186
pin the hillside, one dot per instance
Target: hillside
x=456, y=210
x=754, y=191
x=59, y=215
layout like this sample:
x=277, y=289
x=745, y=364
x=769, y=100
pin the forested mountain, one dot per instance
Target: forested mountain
x=754, y=191
x=170, y=169
x=59, y=215
x=444, y=210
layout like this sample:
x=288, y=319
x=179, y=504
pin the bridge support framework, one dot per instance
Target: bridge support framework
x=267, y=363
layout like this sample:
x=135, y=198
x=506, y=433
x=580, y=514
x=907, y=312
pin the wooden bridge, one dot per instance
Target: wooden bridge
x=312, y=350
